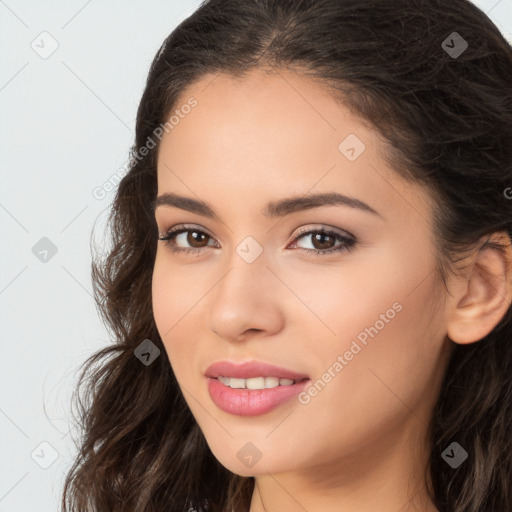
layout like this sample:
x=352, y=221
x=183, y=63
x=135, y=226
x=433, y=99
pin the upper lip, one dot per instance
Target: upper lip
x=251, y=369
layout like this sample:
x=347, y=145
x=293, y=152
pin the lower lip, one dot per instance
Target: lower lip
x=251, y=402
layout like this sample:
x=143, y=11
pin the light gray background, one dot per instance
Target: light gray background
x=67, y=122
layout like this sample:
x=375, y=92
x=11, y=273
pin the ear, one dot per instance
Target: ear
x=481, y=297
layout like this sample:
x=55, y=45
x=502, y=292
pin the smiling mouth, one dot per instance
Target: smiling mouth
x=256, y=382
x=248, y=371
x=237, y=399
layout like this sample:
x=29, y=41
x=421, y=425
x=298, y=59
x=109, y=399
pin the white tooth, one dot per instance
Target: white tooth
x=271, y=382
x=236, y=383
x=255, y=383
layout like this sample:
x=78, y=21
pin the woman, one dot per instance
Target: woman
x=311, y=272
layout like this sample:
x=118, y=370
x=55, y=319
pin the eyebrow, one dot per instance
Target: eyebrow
x=273, y=209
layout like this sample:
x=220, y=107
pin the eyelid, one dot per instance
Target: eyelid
x=303, y=230
x=323, y=227
x=347, y=245
x=185, y=227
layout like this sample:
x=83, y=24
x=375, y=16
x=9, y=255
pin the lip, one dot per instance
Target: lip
x=251, y=369
x=251, y=402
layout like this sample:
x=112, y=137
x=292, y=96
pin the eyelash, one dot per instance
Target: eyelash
x=349, y=243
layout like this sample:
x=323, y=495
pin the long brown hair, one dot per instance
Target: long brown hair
x=448, y=120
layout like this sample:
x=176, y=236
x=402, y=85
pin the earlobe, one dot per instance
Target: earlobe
x=481, y=298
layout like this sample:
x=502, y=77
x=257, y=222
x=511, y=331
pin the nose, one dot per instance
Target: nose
x=247, y=298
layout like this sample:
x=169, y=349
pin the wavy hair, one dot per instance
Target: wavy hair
x=447, y=123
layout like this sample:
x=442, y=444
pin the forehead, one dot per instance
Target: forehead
x=274, y=135
x=281, y=115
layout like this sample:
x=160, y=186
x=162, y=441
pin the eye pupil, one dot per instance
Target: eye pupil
x=318, y=237
x=193, y=237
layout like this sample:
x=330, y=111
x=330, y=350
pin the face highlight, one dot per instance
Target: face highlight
x=345, y=292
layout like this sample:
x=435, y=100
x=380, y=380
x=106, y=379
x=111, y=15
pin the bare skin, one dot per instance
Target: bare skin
x=359, y=444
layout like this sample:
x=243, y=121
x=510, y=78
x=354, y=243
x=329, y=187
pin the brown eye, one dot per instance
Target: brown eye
x=324, y=241
x=194, y=238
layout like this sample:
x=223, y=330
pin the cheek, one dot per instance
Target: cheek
x=175, y=291
x=390, y=367
x=172, y=298
x=162, y=296
x=373, y=393
x=385, y=326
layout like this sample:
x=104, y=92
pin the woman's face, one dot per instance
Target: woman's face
x=361, y=319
